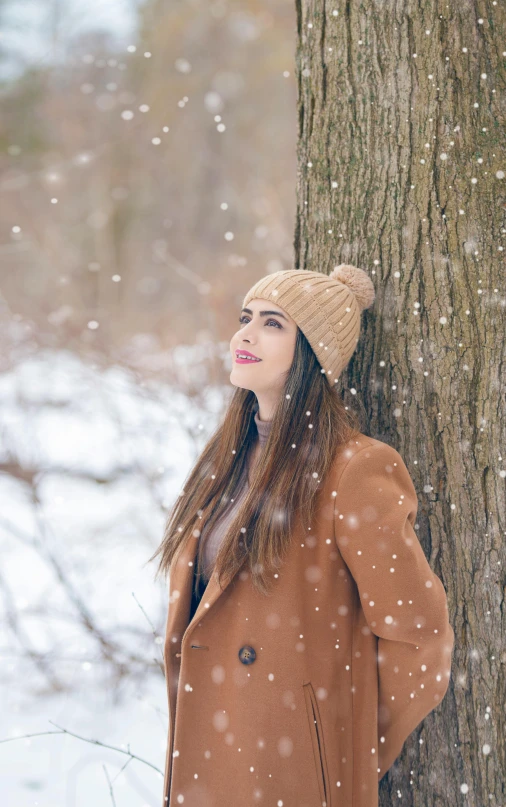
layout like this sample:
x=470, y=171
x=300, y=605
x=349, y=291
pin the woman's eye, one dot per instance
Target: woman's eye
x=244, y=317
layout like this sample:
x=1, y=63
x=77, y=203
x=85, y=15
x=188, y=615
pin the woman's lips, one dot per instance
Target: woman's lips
x=247, y=361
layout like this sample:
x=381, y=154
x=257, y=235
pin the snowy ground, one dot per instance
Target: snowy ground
x=91, y=460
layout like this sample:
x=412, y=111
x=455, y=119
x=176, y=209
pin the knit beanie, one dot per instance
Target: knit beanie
x=326, y=308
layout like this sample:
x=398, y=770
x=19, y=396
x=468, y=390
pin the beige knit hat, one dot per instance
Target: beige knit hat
x=325, y=307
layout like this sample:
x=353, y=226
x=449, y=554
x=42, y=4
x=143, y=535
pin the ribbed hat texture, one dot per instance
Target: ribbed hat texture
x=326, y=308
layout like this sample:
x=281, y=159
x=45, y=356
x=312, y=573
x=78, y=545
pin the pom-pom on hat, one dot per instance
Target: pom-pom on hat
x=326, y=308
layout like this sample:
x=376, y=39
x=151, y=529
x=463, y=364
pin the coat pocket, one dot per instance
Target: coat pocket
x=316, y=730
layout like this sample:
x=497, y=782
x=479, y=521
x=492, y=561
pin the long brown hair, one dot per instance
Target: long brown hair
x=309, y=424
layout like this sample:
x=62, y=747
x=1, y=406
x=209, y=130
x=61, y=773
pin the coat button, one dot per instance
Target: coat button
x=247, y=654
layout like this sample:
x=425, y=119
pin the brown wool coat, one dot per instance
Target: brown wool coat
x=305, y=697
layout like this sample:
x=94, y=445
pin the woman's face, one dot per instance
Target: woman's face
x=269, y=333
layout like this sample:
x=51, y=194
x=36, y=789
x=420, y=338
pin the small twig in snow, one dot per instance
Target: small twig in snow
x=86, y=740
x=111, y=791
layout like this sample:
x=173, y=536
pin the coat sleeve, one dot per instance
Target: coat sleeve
x=403, y=600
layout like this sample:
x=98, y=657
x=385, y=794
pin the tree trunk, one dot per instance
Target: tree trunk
x=401, y=166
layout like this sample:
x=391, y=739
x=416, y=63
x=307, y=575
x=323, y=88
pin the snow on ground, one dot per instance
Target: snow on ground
x=92, y=459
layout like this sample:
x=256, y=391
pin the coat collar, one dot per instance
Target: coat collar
x=181, y=579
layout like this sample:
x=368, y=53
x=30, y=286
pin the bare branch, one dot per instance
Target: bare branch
x=128, y=753
x=111, y=791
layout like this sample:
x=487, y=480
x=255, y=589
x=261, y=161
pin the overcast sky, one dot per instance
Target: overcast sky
x=30, y=28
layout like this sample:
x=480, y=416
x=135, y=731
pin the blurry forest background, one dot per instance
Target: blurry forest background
x=147, y=179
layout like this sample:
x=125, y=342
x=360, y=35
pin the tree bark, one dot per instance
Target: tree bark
x=401, y=161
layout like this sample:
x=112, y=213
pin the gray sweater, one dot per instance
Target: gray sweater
x=214, y=538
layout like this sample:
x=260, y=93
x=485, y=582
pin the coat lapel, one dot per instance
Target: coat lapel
x=181, y=580
x=211, y=594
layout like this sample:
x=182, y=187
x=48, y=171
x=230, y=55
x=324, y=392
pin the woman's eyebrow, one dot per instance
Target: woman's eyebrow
x=265, y=313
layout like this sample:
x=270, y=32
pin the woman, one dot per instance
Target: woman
x=307, y=635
